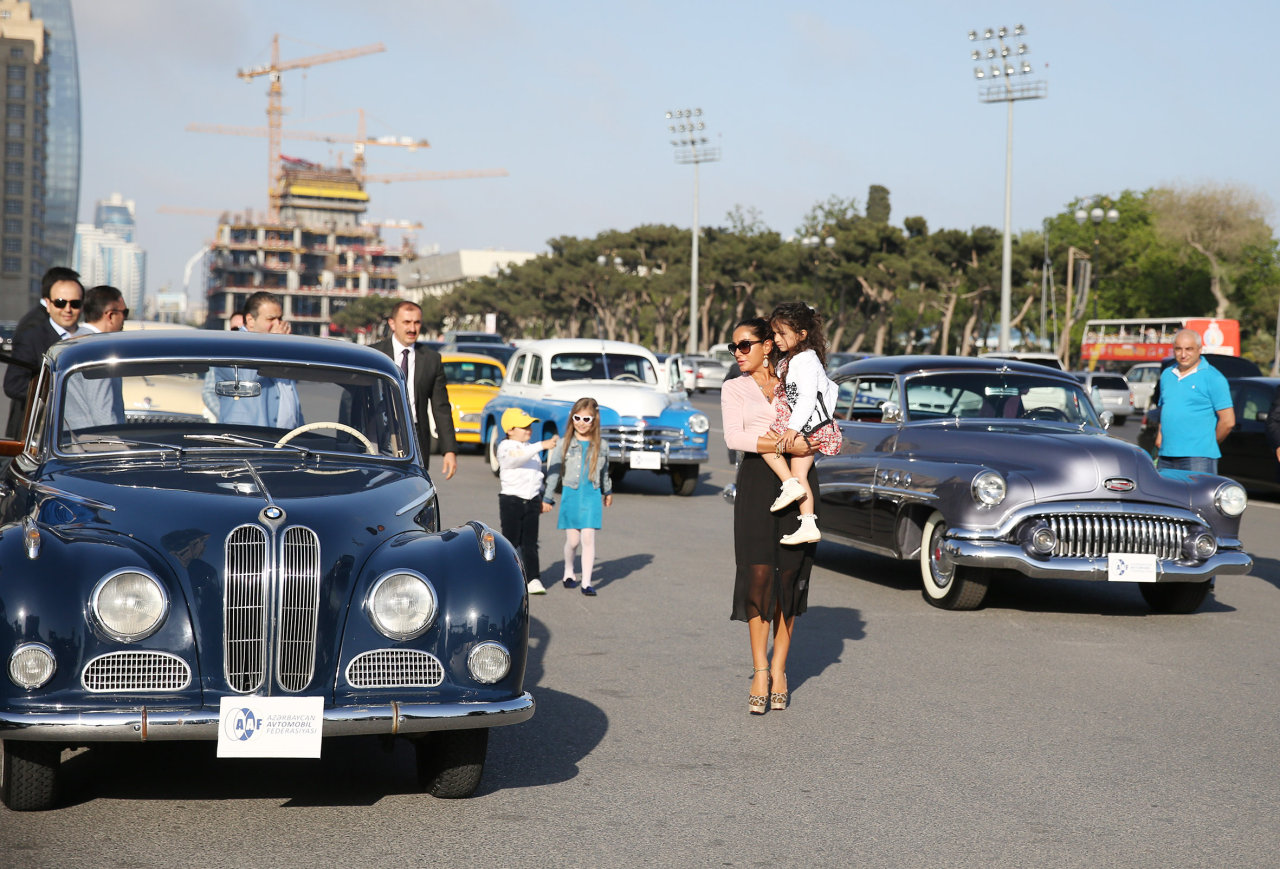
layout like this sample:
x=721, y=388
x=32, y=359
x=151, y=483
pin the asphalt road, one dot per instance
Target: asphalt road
x=1061, y=725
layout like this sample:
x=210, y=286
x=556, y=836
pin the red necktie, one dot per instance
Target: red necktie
x=404, y=363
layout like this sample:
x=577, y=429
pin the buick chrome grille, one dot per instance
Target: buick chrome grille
x=136, y=671
x=395, y=668
x=1095, y=536
x=288, y=587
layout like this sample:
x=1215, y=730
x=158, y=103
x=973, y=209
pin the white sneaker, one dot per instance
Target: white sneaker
x=807, y=532
x=536, y=587
x=792, y=491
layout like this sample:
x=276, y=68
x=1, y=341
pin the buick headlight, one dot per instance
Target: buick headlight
x=31, y=665
x=402, y=605
x=129, y=605
x=488, y=662
x=1230, y=499
x=699, y=424
x=988, y=488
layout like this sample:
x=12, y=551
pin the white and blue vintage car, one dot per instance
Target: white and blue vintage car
x=646, y=419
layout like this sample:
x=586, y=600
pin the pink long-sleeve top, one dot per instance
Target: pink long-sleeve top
x=745, y=413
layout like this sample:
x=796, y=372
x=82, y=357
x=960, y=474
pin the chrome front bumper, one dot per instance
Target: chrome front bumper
x=1010, y=556
x=669, y=457
x=151, y=725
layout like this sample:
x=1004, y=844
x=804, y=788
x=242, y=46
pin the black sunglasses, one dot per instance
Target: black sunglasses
x=742, y=346
x=62, y=303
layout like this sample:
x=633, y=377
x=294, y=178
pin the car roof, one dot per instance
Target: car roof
x=213, y=344
x=1229, y=366
x=913, y=364
x=580, y=345
x=450, y=356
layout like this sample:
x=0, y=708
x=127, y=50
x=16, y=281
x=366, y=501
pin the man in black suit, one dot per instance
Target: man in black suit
x=424, y=370
x=62, y=295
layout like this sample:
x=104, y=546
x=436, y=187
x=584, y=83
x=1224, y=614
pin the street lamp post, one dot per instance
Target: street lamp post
x=1004, y=63
x=691, y=147
x=1096, y=214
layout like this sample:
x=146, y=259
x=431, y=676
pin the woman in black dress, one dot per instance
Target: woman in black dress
x=772, y=582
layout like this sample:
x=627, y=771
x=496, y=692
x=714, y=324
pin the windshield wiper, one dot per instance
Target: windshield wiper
x=125, y=442
x=242, y=441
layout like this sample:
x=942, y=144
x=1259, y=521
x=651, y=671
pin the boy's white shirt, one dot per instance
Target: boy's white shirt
x=520, y=469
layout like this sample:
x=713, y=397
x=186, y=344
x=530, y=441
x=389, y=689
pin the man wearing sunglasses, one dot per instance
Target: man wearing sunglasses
x=62, y=294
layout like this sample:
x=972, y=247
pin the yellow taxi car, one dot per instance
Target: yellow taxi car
x=472, y=379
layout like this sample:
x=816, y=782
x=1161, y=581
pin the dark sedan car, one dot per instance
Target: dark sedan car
x=231, y=537
x=974, y=465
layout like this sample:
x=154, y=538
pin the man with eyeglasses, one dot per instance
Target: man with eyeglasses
x=62, y=294
x=99, y=401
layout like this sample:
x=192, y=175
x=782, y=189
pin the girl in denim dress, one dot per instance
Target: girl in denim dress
x=581, y=472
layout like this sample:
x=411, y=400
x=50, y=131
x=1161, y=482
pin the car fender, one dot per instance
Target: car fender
x=46, y=600
x=479, y=599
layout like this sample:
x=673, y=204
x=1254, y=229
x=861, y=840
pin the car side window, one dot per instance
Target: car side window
x=535, y=369
x=869, y=394
x=1252, y=404
x=517, y=368
x=844, y=401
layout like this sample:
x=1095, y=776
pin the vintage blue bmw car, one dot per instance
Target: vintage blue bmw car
x=972, y=466
x=231, y=537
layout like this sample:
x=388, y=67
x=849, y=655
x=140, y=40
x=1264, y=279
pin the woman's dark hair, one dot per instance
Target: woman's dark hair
x=763, y=330
x=802, y=318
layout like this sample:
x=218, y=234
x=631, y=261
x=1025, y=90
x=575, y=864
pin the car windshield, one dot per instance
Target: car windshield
x=241, y=404
x=471, y=371
x=996, y=395
x=602, y=366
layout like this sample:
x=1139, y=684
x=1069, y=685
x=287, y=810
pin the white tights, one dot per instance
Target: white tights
x=587, y=537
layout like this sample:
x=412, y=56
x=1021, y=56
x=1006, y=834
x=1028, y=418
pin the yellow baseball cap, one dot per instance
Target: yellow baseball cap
x=514, y=417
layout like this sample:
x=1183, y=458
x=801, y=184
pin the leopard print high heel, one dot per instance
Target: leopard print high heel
x=778, y=699
x=758, y=703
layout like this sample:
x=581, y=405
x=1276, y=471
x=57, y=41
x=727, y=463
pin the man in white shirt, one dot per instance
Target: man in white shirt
x=98, y=401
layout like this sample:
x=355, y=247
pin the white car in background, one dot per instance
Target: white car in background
x=1143, y=378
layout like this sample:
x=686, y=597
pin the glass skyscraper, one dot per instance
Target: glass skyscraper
x=62, y=160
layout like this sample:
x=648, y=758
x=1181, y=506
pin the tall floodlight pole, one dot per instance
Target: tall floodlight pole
x=691, y=147
x=1003, y=63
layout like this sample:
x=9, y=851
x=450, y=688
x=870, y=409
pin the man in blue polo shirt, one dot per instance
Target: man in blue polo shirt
x=1195, y=409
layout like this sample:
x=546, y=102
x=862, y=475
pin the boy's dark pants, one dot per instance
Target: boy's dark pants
x=519, y=519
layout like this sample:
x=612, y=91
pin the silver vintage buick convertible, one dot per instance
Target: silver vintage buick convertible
x=973, y=466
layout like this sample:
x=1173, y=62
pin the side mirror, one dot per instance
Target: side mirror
x=890, y=412
x=1106, y=418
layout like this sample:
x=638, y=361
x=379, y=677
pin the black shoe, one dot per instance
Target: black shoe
x=589, y=590
x=570, y=582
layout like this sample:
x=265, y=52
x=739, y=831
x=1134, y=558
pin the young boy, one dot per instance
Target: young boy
x=520, y=490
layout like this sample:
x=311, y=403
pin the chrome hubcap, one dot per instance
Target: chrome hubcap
x=940, y=564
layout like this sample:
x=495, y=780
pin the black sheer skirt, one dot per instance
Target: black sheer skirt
x=771, y=578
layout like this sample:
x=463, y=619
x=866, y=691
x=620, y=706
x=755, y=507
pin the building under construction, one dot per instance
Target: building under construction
x=318, y=255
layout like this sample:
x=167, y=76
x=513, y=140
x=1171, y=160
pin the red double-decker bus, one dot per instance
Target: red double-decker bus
x=1150, y=340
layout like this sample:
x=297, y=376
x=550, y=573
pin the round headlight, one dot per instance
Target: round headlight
x=488, y=662
x=1230, y=499
x=699, y=424
x=402, y=605
x=130, y=605
x=31, y=665
x=988, y=488
x=1206, y=545
x=1043, y=540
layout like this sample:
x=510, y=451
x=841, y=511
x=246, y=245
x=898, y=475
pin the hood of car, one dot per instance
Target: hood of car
x=470, y=398
x=1057, y=461
x=340, y=502
x=624, y=398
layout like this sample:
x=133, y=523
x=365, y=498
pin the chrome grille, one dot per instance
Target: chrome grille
x=299, y=608
x=293, y=601
x=637, y=437
x=1096, y=536
x=136, y=671
x=395, y=668
x=244, y=609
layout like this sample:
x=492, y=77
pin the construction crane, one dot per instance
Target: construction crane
x=361, y=140
x=275, y=104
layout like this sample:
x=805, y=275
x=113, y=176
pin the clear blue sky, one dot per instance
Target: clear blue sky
x=806, y=102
